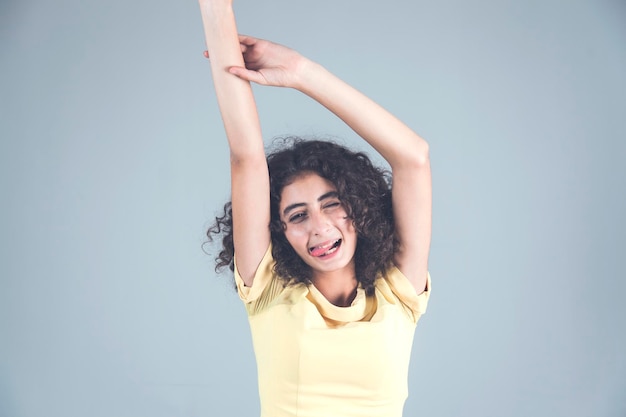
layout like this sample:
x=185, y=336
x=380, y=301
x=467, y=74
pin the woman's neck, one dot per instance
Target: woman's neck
x=338, y=287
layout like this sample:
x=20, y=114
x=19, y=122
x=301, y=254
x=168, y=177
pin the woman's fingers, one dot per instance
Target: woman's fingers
x=248, y=75
x=247, y=40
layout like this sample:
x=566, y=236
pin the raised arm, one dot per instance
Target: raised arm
x=404, y=150
x=249, y=174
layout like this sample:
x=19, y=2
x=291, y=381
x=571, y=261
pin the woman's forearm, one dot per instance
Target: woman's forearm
x=234, y=95
x=394, y=140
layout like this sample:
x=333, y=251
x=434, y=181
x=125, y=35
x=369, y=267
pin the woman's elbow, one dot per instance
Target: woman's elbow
x=423, y=154
x=418, y=156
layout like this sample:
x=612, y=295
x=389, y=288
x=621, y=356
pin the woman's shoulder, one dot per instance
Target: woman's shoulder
x=394, y=286
x=267, y=287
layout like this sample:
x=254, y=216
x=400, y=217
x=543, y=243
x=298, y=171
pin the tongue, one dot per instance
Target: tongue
x=319, y=251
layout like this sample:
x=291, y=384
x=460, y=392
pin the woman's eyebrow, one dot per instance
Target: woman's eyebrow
x=291, y=207
x=330, y=194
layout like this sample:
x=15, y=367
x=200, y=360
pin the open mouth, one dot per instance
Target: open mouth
x=325, y=250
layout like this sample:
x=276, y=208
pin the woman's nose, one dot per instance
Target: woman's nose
x=319, y=223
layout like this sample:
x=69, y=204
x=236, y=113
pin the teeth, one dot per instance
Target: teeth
x=330, y=245
x=331, y=250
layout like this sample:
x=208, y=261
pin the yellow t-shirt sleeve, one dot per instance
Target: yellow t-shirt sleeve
x=262, y=278
x=266, y=285
x=406, y=293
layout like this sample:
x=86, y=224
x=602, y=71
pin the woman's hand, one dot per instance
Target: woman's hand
x=268, y=63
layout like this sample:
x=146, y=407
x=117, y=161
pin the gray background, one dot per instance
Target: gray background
x=113, y=161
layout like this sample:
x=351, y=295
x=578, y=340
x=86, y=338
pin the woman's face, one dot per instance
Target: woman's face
x=317, y=226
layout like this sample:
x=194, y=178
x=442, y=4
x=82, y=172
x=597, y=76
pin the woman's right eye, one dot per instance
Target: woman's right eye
x=297, y=217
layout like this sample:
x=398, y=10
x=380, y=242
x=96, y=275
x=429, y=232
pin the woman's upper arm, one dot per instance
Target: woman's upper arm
x=251, y=214
x=412, y=209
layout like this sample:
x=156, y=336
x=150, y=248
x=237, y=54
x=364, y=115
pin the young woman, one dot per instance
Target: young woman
x=330, y=256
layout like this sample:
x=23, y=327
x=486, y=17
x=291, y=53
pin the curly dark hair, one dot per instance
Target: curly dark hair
x=364, y=190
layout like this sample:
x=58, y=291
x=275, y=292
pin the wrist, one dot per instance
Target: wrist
x=308, y=75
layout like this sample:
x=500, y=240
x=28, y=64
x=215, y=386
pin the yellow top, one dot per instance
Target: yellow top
x=315, y=359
